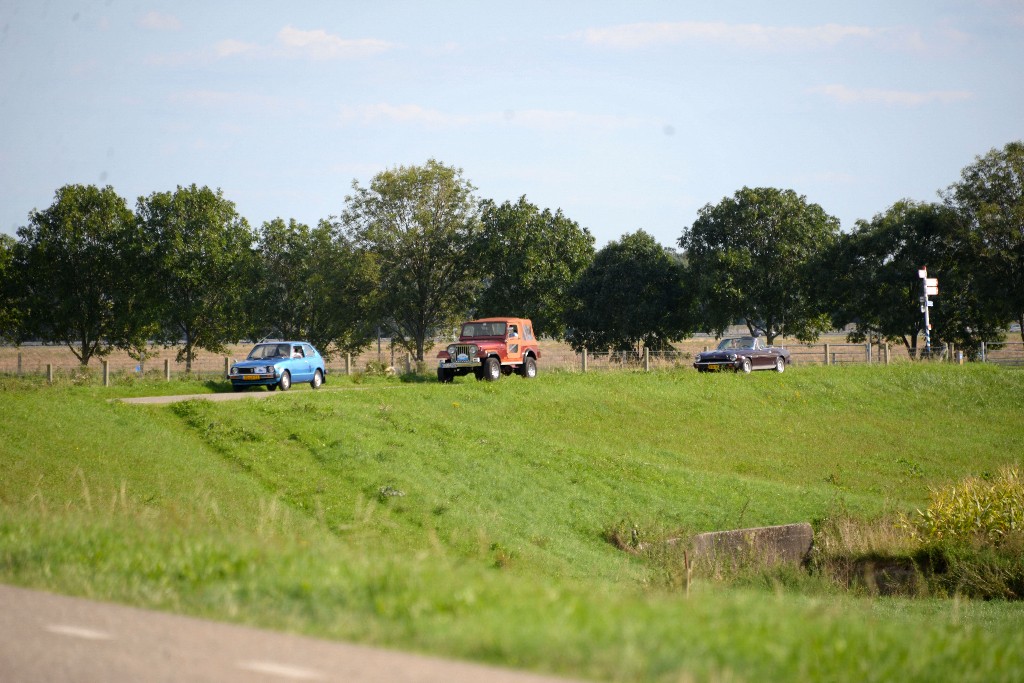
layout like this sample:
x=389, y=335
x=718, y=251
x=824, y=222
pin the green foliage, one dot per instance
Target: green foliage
x=77, y=278
x=202, y=253
x=311, y=285
x=420, y=226
x=975, y=508
x=627, y=298
x=11, y=324
x=758, y=257
x=990, y=198
x=531, y=258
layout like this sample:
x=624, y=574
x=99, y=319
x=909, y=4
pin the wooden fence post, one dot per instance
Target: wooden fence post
x=867, y=353
x=584, y=357
x=19, y=363
x=886, y=354
x=106, y=373
x=647, y=359
x=167, y=369
x=227, y=366
x=408, y=362
x=828, y=354
x=49, y=373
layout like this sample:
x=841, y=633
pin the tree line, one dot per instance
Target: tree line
x=415, y=251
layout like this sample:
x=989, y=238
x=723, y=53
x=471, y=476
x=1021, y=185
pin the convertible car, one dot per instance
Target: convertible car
x=742, y=354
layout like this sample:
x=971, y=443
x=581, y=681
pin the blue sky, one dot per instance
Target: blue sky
x=624, y=115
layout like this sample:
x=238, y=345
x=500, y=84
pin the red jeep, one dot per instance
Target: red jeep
x=490, y=348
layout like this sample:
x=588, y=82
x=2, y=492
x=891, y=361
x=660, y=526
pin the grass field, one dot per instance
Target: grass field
x=471, y=520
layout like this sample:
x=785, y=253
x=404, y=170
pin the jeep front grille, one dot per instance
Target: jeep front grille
x=466, y=349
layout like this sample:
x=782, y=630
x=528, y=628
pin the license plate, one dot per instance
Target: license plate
x=712, y=367
x=250, y=377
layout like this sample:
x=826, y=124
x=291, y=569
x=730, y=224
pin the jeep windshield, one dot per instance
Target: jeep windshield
x=264, y=351
x=486, y=329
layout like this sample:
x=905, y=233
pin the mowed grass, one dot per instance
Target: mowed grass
x=470, y=519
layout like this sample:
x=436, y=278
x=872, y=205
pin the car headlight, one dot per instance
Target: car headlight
x=472, y=350
x=451, y=350
x=732, y=356
x=697, y=359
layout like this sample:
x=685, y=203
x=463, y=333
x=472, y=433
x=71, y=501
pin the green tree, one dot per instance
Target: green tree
x=990, y=200
x=202, y=252
x=11, y=328
x=312, y=285
x=421, y=225
x=756, y=257
x=874, y=279
x=531, y=258
x=628, y=298
x=75, y=269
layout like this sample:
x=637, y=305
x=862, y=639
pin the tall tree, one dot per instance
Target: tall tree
x=421, y=224
x=202, y=252
x=532, y=258
x=313, y=285
x=990, y=199
x=628, y=298
x=75, y=269
x=874, y=278
x=11, y=328
x=754, y=256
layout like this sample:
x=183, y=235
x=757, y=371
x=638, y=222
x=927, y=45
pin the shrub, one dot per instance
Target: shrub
x=975, y=509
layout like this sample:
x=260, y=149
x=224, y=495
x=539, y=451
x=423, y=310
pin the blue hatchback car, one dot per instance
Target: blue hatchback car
x=276, y=364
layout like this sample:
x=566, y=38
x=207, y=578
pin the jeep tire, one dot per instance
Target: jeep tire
x=492, y=369
x=529, y=367
x=445, y=376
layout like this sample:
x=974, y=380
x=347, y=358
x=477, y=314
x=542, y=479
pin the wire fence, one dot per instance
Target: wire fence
x=54, y=360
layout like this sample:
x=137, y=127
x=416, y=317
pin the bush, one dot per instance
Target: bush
x=974, y=510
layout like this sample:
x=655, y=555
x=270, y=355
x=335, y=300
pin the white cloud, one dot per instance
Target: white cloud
x=540, y=119
x=759, y=36
x=894, y=98
x=317, y=44
x=159, y=22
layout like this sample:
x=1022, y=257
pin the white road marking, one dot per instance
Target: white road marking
x=283, y=670
x=78, y=632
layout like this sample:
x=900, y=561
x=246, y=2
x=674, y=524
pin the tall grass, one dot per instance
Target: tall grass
x=472, y=519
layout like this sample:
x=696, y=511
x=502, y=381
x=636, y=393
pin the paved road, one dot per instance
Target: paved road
x=50, y=638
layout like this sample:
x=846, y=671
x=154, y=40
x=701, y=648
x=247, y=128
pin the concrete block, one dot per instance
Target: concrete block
x=788, y=543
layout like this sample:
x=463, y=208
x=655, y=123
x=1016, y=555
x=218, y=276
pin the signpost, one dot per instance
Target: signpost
x=931, y=288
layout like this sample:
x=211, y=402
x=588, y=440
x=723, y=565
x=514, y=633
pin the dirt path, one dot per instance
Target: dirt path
x=46, y=637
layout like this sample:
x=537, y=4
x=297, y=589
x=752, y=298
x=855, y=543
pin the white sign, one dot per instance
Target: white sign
x=931, y=291
x=923, y=273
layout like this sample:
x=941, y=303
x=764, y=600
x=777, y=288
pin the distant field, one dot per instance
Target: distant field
x=472, y=519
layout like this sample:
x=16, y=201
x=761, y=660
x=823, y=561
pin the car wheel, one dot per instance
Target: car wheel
x=317, y=381
x=286, y=381
x=492, y=369
x=780, y=364
x=271, y=387
x=445, y=376
x=529, y=367
x=237, y=387
x=746, y=367
x=478, y=373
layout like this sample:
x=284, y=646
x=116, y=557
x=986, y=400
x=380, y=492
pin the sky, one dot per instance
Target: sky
x=625, y=116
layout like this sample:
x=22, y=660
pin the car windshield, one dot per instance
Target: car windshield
x=264, y=351
x=736, y=343
x=488, y=329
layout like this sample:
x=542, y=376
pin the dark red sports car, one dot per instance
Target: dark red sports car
x=742, y=354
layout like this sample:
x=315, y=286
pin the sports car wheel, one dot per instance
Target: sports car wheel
x=318, y=379
x=492, y=369
x=529, y=367
x=286, y=381
x=780, y=364
x=746, y=368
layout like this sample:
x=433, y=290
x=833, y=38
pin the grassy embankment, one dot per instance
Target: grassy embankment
x=470, y=520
